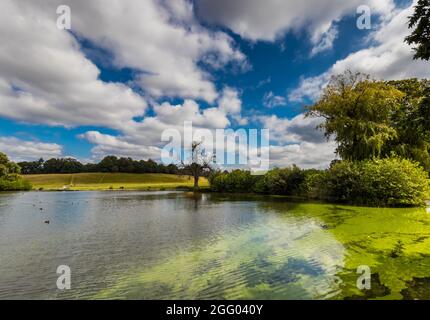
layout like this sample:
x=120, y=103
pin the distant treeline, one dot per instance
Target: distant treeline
x=108, y=164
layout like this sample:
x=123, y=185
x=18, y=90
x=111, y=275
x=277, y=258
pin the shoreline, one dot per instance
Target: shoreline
x=143, y=189
x=206, y=189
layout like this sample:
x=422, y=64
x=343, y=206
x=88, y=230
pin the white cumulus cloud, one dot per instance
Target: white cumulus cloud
x=389, y=57
x=269, y=20
x=22, y=150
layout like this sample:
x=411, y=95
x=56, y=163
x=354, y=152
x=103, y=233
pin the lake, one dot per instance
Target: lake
x=177, y=245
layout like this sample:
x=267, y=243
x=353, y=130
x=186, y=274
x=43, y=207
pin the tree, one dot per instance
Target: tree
x=284, y=181
x=151, y=166
x=109, y=164
x=420, y=36
x=412, y=122
x=199, y=164
x=126, y=165
x=70, y=165
x=32, y=167
x=8, y=168
x=9, y=175
x=356, y=111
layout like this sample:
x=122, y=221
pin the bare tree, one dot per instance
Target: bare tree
x=199, y=164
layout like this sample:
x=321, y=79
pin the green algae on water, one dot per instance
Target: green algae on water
x=295, y=251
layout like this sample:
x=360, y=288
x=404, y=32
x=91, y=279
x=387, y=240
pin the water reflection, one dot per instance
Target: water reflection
x=184, y=245
x=278, y=257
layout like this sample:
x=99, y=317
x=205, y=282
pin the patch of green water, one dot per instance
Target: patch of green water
x=295, y=251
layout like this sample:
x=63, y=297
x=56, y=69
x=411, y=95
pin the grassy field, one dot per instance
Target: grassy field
x=110, y=181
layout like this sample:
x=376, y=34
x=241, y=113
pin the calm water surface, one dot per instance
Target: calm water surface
x=167, y=245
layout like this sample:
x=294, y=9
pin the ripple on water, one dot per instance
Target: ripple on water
x=166, y=246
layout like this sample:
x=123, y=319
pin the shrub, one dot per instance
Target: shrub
x=283, y=181
x=286, y=181
x=309, y=188
x=237, y=181
x=10, y=180
x=16, y=184
x=341, y=182
x=380, y=182
x=394, y=182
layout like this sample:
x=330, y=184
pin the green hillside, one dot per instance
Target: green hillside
x=109, y=181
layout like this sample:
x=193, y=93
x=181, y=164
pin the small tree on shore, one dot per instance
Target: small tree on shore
x=9, y=175
x=200, y=164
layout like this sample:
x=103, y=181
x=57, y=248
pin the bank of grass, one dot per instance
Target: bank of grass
x=111, y=181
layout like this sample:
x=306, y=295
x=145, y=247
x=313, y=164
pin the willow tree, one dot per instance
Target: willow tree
x=357, y=112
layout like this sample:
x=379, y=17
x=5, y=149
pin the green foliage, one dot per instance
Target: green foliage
x=238, y=181
x=356, y=112
x=341, y=182
x=8, y=169
x=9, y=176
x=412, y=122
x=420, y=36
x=371, y=119
x=379, y=182
x=282, y=181
x=287, y=181
x=110, y=164
x=67, y=165
x=15, y=184
x=309, y=188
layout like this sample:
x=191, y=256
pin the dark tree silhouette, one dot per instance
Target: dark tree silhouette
x=107, y=164
x=420, y=36
x=199, y=163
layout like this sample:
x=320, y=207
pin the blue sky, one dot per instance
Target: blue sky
x=130, y=69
